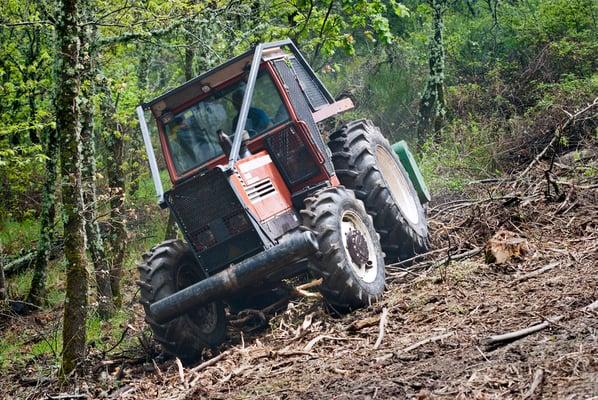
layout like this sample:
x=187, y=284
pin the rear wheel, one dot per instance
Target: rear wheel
x=350, y=259
x=365, y=162
x=164, y=270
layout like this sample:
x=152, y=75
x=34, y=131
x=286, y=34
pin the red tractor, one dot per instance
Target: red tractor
x=260, y=197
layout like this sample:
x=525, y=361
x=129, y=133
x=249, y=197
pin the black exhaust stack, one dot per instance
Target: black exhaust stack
x=225, y=283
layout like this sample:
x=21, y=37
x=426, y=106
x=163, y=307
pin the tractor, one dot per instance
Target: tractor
x=262, y=196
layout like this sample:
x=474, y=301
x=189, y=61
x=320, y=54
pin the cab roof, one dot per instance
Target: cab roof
x=208, y=80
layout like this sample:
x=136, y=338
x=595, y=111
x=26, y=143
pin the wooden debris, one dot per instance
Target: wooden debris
x=536, y=272
x=210, y=362
x=535, y=390
x=315, y=340
x=426, y=341
x=592, y=307
x=182, y=373
x=505, y=246
x=383, y=320
x=499, y=340
x=363, y=323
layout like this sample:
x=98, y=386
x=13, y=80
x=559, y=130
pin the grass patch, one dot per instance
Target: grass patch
x=16, y=236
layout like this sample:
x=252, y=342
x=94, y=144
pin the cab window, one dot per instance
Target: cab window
x=192, y=133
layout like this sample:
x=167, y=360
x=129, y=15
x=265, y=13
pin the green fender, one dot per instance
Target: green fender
x=408, y=161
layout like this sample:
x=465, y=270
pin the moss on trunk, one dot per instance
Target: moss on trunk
x=95, y=243
x=67, y=124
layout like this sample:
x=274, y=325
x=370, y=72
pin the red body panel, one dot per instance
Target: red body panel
x=261, y=186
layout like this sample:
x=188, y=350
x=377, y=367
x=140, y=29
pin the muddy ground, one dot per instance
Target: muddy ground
x=438, y=314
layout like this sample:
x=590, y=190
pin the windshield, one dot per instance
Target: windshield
x=192, y=133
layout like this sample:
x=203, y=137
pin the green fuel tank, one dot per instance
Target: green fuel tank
x=408, y=161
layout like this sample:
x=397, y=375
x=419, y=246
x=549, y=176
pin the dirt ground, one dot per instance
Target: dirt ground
x=437, y=315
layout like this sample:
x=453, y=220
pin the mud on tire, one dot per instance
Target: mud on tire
x=331, y=213
x=365, y=162
x=164, y=270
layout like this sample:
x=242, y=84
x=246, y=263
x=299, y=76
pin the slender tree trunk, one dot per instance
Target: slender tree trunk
x=37, y=291
x=115, y=146
x=2, y=280
x=137, y=150
x=69, y=131
x=432, y=105
x=95, y=242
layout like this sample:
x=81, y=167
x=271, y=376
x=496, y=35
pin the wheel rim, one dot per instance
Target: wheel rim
x=360, y=252
x=397, y=184
x=206, y=318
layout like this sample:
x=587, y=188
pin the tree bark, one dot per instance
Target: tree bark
x=37, y=292
x=432, y=104
x=95, y=242
x=2, y=281
x=115, y=146
x=69, y=131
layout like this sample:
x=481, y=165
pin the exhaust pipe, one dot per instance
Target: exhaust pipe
x=230, y=280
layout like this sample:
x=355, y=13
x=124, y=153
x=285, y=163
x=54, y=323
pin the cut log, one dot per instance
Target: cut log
x=24, y=262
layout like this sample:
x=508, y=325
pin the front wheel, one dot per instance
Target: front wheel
x=350, y=259
x=164, y=270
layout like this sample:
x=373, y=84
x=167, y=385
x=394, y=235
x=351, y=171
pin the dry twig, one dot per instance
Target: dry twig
x=383, y=319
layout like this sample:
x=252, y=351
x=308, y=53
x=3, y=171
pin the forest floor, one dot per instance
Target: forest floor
x=436, y=316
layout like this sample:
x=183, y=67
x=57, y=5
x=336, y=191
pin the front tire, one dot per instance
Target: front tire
x=350, y=259
x=365, y=162
x=164, y=270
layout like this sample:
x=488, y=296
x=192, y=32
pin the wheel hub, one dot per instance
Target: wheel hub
x=357, y=247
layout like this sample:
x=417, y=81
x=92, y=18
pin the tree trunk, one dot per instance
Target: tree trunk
x=95, y=243
x=432, y=105
x=2, y=280
x=137, y=151
x=69, y=131
x=37, y=291
x=115, y=146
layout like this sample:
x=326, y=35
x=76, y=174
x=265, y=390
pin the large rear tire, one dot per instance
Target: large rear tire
x=365, y=162
x=164, y=270
x=350, y=259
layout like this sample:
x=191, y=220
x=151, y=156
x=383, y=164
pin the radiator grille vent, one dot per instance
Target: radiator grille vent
x=260, y=189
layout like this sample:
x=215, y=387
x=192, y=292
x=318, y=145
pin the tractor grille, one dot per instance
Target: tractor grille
x=259, y=190
x=292, y=156
x=312, y=92
x=203, y=201
x=300, y=103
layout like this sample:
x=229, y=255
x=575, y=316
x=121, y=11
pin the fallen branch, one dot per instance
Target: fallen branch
x=499, y=340
x=426, y=341
x=592, y=307
x=179, y=364
x=315, y=340
x=383, y=319
x=363, y=323
x=210, y=362
x=26, y=261
x=536, y=272
x=536, y=383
